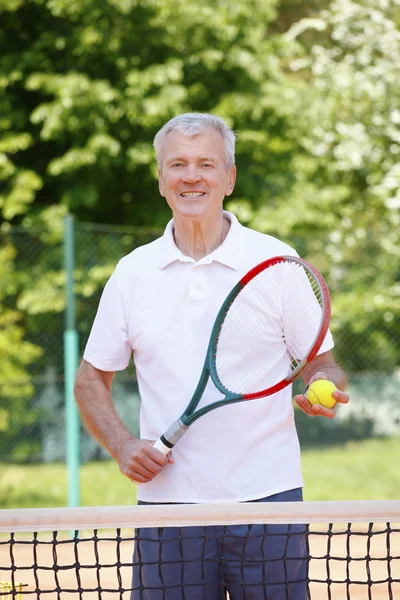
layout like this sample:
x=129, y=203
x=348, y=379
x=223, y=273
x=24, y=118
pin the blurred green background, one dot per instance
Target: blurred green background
x=311, y=90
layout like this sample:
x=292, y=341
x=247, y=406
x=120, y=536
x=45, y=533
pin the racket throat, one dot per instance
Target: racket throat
x=174, y=434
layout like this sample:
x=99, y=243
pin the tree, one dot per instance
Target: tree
x=17, y=354
x=344, y=204
x=87, y=85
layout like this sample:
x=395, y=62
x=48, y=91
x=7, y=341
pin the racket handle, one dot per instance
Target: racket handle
x=159, y=445
x=167, y=441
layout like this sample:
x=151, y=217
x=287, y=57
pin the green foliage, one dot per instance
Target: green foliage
x=342, y=209
x=86, y=84
x=16, y=353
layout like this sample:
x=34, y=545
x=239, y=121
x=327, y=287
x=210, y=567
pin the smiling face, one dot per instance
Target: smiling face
x=193, y=178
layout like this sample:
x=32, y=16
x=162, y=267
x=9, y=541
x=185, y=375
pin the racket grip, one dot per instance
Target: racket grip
x=159, y=445
x=167, y=441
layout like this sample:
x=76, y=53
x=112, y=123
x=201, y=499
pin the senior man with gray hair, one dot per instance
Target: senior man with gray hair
x=160, y=305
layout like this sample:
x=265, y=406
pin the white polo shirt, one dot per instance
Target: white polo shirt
x=160, y=305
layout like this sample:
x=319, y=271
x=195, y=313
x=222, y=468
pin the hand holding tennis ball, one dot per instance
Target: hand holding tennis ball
x=320, y=392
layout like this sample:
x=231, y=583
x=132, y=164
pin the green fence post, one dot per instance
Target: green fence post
x=71, y=353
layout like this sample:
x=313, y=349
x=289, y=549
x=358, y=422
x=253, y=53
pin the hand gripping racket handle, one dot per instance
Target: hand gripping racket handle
x=168, y=440
x=159, y=445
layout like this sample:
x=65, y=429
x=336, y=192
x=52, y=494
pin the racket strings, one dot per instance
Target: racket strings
x=268, y=329
x=306, y=311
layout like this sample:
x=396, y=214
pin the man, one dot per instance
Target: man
x=160, y=305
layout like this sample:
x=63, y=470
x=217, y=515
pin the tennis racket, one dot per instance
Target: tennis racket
x=269, y=328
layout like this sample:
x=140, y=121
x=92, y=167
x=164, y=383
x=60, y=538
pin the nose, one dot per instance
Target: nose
x=191, y=174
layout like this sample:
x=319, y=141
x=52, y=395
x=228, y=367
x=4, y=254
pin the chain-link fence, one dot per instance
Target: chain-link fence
x=33, y=302
x=32, y=322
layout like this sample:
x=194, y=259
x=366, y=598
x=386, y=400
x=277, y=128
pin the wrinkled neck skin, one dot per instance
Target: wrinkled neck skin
x=199, y=237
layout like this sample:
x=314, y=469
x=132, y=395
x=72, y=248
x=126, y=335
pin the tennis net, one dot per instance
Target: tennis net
x=272, y=551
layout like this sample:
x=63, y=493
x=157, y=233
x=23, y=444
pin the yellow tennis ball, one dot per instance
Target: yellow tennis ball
x=320, y=392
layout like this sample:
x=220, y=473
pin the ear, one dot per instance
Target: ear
x=160, y=182
x=231, y=181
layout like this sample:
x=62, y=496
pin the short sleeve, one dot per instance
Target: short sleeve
x=108, y=347
x=302, y=315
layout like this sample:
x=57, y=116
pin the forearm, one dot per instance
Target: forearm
x=98, y=412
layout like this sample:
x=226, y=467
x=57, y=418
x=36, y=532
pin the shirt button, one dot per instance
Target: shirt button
x=196, y=294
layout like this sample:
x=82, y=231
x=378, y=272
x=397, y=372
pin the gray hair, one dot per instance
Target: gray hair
x=192, y=124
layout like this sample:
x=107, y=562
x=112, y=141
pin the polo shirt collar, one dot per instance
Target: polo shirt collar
x=229, y=253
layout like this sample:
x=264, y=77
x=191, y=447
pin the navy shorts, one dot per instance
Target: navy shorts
x=250, y=562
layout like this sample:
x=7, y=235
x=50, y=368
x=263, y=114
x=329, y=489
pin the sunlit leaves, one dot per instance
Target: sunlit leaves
x=16, y=353
x=94, y=81
x=20, y=192
x=342, y=207
x=87, y=84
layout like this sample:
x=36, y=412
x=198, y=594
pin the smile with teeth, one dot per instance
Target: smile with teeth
x=192, y=194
